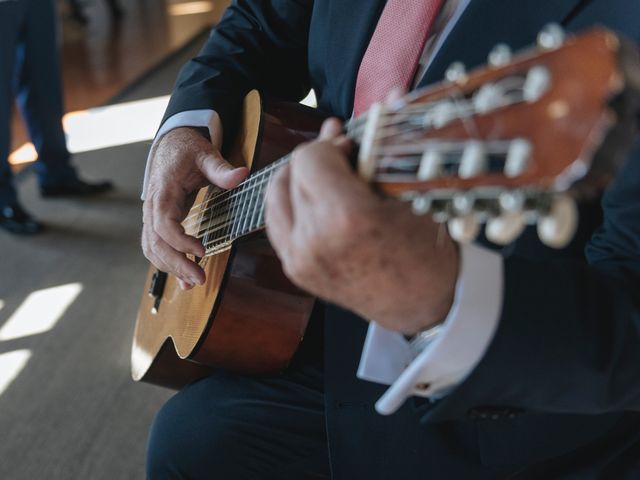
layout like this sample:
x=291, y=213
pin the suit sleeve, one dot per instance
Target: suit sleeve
x=569, y=336
x=257, y=44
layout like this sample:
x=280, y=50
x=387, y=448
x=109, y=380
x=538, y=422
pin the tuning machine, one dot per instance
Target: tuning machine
x=438, y=204
x=510, y=221
x=464, y=224
x=552, y=36
x=456, y=72
x=500, y=55
x=557, y=226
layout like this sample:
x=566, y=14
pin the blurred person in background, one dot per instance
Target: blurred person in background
x=77, y=11
x=29, y=68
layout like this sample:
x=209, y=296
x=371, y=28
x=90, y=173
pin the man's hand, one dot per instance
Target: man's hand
x=343, y=243
x=183, y=161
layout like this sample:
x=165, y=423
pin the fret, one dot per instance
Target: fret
x=256, y=205
x=235, y=207
x=210, y=213
x=246, y=202
x=237, y=214
x=263, y=189
x=246, y=214
x=228, y=225
x=218, y=215
x=198, y=221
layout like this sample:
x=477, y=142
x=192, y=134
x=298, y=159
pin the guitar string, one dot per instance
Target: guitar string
x=442, y=147
x=248, y=190
x=196, y=209
x=230, y=195
x=219, y=194
x=237, y=191
x=385, y=134
x=231, y=221
x=381, y=137
x=350, y=131
x=494, y=148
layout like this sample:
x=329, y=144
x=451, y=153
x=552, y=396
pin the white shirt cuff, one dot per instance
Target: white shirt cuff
x=191, y=118
x=464, y=338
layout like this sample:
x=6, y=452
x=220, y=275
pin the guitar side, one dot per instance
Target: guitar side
x=247, y=317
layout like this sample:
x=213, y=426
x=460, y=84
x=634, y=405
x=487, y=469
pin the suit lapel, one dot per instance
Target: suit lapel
x=486, y=23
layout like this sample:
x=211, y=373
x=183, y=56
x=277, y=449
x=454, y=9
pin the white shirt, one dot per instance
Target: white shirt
x=387, y=357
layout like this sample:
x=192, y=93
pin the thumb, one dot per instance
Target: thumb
x=331, y=128
x=220, y=172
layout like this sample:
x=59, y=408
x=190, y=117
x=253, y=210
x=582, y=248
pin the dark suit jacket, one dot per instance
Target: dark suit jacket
x=558, y=393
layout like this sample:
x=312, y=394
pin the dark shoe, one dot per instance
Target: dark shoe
x=75, y=188
x=15, y=220
x=117, y=13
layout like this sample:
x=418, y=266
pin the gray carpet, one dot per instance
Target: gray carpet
x=73, y=412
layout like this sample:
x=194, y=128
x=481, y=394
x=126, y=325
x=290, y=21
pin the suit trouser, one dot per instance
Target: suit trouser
x=233, y=427
x=30, y=72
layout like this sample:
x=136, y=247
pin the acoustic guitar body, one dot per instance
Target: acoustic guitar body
x=247, y=317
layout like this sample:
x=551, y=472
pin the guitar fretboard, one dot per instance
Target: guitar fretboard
x=225, y=216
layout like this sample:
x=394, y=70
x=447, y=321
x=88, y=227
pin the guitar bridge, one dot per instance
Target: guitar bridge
x=156, y=290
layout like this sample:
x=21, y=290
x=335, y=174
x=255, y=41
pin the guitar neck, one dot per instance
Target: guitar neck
x=228, y=215
x=231, y=214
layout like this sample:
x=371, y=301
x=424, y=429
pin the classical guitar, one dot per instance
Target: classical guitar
x=511, y=144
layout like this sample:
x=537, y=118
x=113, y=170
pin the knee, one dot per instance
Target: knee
x=166, y=440
x=188, y=442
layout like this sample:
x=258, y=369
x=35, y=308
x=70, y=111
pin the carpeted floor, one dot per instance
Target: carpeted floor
x=73, y=411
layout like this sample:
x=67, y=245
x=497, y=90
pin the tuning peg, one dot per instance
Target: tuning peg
x=441, y=209
x=464, y=229
x=456, y=72
x=557, y=227
x=500, y=55
x=551, y=37
x=518, y=157
x=463, y=203
x=536, y=84
x=489, y=97
x=443, y=113
x=473, y=161
x=421, y=204
x=505, y=228
x=512, y=201
x=430, y=164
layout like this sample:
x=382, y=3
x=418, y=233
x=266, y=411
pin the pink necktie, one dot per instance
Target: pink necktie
x=391, y=59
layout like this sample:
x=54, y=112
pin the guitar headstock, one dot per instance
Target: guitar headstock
x=513, y=143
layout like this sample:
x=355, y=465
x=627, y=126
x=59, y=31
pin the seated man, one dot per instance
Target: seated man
x=535, y=372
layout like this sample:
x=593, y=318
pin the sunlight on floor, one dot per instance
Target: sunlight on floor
x=190, y=8
x=40, y=311
x=112, y=126
x=105, y=127
x=11, y=364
